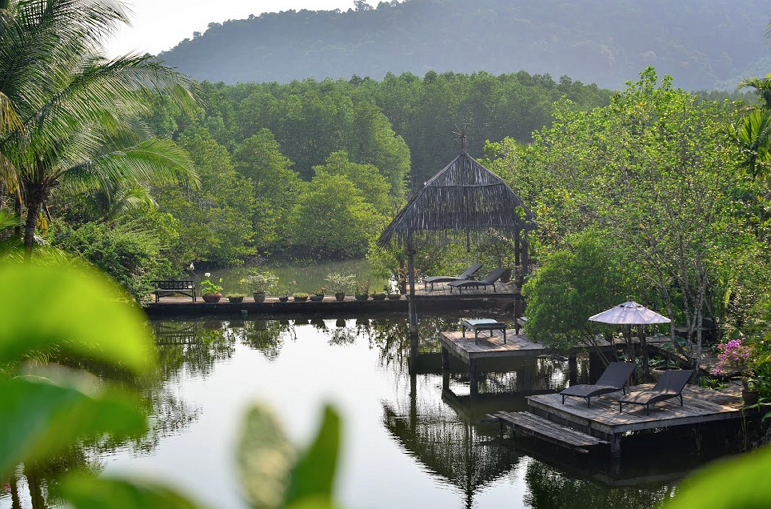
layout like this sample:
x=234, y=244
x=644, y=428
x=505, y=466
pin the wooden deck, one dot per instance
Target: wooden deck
x=490, y=345
x=438, y=300
x=603, y=420
x=533, y=425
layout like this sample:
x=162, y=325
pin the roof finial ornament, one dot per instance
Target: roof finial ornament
x=461, y=134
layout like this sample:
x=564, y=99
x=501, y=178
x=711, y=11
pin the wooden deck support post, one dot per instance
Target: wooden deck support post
x=615, y=446
x=445, y=368
x=473, y=377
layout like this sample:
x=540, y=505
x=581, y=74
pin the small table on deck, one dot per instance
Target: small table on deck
x=479, y=324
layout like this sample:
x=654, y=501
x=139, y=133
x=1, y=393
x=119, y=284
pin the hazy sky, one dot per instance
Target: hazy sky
x=158, y=25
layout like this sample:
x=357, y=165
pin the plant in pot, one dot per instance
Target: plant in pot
x=340, y=284
x=318, y=295
x=391, y=293
x=261, y=283
x=300, y=296
x=362, y=290
x=283, y=294
x=734, y=357
x=379, y=296
x=210, y=292
x=235, y=298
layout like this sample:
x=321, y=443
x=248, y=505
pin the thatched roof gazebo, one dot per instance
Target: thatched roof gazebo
x=464, y=197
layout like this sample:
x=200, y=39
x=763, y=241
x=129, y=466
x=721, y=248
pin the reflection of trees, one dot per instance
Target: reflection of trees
x=197, y=346
x=450, y=448
x=552, y=489
x=391, y=335
x=265, y=336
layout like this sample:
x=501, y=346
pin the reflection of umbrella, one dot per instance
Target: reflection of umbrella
x=629, y=313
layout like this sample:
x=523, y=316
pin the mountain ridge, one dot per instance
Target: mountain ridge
x=704, y=45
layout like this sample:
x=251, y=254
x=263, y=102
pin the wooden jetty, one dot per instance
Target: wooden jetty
x=438, y=300
x=470, y=351
x=576, y=426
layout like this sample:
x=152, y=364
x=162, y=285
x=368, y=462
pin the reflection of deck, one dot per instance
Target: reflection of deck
x=603, y=420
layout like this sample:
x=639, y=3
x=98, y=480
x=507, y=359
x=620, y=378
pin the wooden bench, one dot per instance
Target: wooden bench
x=164, y=287
x=482, y=324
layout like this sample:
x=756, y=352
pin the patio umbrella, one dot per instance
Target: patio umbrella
x=629, y=313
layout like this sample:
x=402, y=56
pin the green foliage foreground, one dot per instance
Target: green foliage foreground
x=49, y=407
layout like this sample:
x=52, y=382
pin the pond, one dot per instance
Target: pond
x=405, y=443
x=296, y=277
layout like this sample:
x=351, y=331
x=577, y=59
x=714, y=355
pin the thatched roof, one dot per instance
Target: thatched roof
x=463, y=197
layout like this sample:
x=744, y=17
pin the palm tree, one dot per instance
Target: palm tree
x=67, y=115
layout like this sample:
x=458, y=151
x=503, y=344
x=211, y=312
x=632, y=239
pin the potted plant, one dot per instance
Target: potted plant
x=340, y=284
x=362, y=290
x=300, y=296
x=235, y=298
x=318, y=295
x=283, y=294
x=733, y=357
x=210, y=292
x=379, y=296
x=390, y=293
x=261, y=283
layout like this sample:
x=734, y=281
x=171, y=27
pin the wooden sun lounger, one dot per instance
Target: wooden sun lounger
x=490, y=280
x=613, y=379
x=449, y=279
x=670, y=385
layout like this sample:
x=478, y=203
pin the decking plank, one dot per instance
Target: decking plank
x=533, y=425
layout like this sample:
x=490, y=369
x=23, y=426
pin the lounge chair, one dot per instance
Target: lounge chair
x=670, y=385
x=490, y=280
x=449, y=279
x=613, y=379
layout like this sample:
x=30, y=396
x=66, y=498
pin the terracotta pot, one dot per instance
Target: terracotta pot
x=212, y=297
x=259, y=296
x=283, y=298
x=340, y=296
x=317, y=298
x=300, y=299
x=394, y=296
x=362, y=296
x=235, y=300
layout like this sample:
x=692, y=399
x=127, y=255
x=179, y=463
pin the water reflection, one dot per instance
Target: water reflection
x=401, y=412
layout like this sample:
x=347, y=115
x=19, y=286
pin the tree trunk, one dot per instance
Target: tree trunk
x=35, y=198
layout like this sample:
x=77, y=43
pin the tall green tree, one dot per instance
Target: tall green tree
x=215, y=217
x=68, y=116
x=276, y=186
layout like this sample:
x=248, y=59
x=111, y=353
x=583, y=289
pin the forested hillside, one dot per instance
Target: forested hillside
x=702, y=44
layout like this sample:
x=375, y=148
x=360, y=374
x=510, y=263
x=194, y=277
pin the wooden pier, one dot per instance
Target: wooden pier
x=576, y=426
x=470, y=351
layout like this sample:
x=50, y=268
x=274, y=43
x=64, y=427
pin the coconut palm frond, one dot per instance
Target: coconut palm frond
x=762, y=87
x=152, y=161
x=463, y=197
x=754, y=136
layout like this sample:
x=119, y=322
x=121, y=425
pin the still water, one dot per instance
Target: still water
x=405, y=443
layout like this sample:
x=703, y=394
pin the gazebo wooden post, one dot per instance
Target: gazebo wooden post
x=411, y=270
